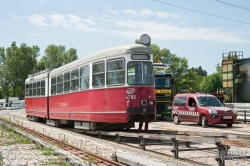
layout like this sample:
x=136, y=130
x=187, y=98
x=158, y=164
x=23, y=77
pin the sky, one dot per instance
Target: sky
x=199, y=30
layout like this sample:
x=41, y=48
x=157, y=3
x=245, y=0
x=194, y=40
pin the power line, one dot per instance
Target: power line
x=240, y=7
x=202, y=12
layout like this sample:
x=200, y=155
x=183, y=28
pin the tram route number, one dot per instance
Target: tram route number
x=130, y=97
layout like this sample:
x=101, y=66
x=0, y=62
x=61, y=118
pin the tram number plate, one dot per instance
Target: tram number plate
x=227, y=117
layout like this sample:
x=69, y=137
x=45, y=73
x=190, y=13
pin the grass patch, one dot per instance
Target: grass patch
x=1, y=158
x=58, y=161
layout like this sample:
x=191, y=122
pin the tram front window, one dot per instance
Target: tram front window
x=140, y=73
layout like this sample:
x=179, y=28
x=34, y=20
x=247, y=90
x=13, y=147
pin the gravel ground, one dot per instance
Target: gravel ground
x=107, y=148
x=20, y=151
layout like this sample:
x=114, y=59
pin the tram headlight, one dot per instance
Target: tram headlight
x=150, y=102
x=144, y=102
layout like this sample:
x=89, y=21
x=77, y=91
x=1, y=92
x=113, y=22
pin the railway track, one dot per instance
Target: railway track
x=86, y=156
x=153, y=152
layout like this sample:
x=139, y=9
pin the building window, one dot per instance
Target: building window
x=115, y=72
x=84, y=77
x=98, y=74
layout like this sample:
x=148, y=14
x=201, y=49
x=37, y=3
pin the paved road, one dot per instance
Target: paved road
x=241, y=128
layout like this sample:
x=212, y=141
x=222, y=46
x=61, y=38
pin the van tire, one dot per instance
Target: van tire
x=204, y=121
x=176, y=120
x=229, y=125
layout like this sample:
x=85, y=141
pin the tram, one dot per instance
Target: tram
x=109, y=89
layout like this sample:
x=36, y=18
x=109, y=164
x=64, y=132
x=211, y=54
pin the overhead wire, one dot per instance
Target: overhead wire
x=201, y=12
x=240, y=7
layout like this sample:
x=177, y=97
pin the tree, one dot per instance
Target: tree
x=199, y=71
x=56, y=56
x=17, y=63
x=211, y=83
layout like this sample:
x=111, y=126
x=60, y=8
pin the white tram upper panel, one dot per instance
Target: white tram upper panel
x=110, y=53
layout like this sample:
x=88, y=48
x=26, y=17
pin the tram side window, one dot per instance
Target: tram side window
x=26, y=89
x=38, y=90
x=115, y=72
x=66, y=83
x=53, y=85
x=59, y=80
x=34, y=89
x=30, y=89
x=75, y=80
x=98, y=74
x=43, y=88
x=84, y=80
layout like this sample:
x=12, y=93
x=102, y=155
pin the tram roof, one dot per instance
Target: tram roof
x=107, y=53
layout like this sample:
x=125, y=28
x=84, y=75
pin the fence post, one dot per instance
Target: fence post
x=245, y=118
x=175, y=146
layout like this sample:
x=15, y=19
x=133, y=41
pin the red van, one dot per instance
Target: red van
x=203, y=109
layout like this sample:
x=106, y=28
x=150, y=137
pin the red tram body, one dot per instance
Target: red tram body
x=110, y=89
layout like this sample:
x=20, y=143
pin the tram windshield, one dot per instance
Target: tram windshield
x=163, y=82
x=140, y=73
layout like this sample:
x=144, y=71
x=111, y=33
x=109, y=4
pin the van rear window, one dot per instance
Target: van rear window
x=180, y=101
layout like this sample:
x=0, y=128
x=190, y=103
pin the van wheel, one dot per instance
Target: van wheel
x=204, y=121
x=176, y=119
x=229, y=125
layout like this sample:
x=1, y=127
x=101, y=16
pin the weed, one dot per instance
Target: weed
x=91, y=159
x=1, y=159
x=47, y=151
x=58, y=161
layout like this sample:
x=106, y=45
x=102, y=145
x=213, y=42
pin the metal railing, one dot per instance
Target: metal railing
x=243, y=111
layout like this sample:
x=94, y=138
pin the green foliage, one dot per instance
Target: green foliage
x=56, y=56
x=1, y=159
x=47, y=151
x=15, y=65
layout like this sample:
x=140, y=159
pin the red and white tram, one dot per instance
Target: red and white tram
x=110, y=89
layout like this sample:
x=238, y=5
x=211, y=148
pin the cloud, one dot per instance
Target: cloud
x=131, y=27
x=146, y=12
x=40, y=2
x=113, y=12
x=166, y=15
x=38, y=20
x=68, y=21
x=166, y=31
x=130, y=12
